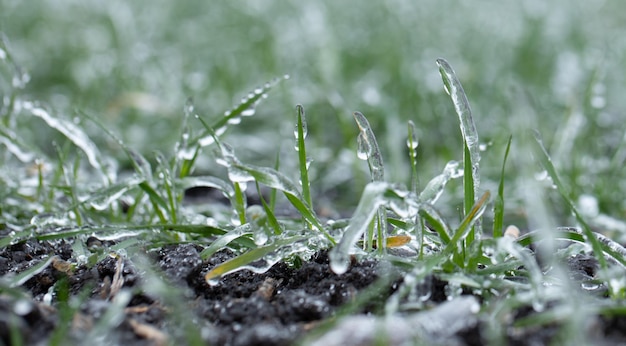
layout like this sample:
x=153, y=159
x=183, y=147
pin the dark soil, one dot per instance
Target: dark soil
x=278, y=307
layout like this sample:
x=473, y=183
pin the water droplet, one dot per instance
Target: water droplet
x=453, y=290
x=305, y=130
x=260, y=237
x=541, y=176
x=239, y=176
x=339, y=263
x=22, y=307
x=213, y=282
x=189, y=107
x=248, y=112
x=3, y=54
x=590, y=286
x=234, y=120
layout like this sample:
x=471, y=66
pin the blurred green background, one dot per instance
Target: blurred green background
x=557, y=66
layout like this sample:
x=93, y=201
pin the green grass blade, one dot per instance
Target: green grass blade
x=166, y=182
x=436, y=222
x=158, y=202
x=498, y=209
x=253, y=255
x=271, y=218
x=466, y=225
x=301, y=133
x=273, y=192
x=222, y=241
x=544, y=159
x=240, y=202
x=468, y=190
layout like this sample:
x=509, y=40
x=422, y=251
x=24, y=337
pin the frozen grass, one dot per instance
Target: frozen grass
x=119, y=168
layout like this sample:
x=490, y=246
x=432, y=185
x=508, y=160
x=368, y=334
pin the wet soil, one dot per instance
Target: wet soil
x=172, y=303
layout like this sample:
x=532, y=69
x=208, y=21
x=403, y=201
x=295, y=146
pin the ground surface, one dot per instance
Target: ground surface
x=278, y=307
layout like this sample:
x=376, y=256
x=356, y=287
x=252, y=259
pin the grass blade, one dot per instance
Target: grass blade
x=245, y=108
x=498, y=209
x=24, y=276
x=300, y=134
x=466, y=225
x=412, y=144
x=271, y=218
x=436, y=222
x=240, y=261
x=544, y=159
x=225, y=239
x=74, y=133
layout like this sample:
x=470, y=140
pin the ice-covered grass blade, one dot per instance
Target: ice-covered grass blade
x=471, y=150
x=167, y=183
x=498, y=208
x=252, y=255
x=222, y=241
x=17, y=146
x=375, y=196
x=607, y=246
x=72, y=132
x=368, y=150
x=544, y=159
x=21, y=278
x=412, y=144
x=185, y=154
x=435, y=186
x=276, y=180
x=245, y=108
x=300, y=134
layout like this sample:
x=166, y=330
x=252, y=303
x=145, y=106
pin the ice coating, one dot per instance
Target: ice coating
x=411, y=141
x=301, y=118
x=372, y=199
x=434, y=188
x=461, y=105
x=368, y=147
x=69, y=130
